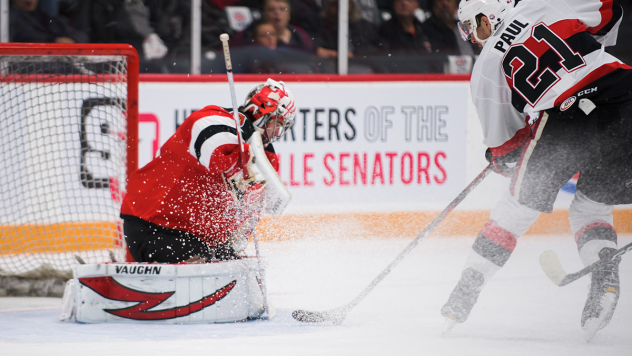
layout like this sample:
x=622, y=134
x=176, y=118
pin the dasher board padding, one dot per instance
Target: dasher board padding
x=164, y=293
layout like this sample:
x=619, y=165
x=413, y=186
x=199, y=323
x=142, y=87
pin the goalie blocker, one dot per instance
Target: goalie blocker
x=216, y=292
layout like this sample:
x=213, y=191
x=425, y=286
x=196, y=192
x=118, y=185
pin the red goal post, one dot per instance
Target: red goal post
x=69, y=128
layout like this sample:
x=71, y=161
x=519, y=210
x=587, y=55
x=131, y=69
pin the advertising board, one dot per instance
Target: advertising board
x=354, y=146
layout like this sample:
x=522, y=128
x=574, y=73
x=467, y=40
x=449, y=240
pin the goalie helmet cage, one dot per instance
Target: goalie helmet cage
x=69, y=128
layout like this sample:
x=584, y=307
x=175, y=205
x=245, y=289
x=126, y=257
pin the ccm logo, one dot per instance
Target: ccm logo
x=587, y=91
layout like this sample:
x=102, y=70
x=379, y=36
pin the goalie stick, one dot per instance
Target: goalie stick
x=229, y=71
x=267, y=313
x=553, y=269
x=337, y=315
x=277, y=195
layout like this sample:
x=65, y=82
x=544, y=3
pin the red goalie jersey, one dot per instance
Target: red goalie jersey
x=184, y=188
x=546, y=54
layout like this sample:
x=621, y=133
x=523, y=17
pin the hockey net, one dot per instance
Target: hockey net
x=68, y=122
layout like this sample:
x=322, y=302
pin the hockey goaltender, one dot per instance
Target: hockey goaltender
x=192, y=202
x=188, y=216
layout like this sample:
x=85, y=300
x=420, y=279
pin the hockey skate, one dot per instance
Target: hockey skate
x=462, y=298
x=602, y=297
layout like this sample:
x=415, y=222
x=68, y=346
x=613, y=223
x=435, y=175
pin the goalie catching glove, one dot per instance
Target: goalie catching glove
x=247, y=192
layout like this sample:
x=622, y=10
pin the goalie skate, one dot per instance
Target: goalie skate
x=603, y=296
x=463, y=297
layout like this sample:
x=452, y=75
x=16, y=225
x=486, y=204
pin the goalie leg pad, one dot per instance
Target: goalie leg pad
x=168, y=293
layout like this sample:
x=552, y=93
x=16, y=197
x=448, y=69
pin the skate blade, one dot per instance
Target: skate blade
x=448, y=326
x=595, y=324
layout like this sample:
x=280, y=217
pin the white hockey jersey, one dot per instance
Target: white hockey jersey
x=544, y=54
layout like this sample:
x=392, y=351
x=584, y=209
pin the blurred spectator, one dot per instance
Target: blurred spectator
x=172, y=21
x=168, y=18
x=363, y=35
x=214, y=22
x=404, y=32
x=126, y=21
x=306, y=14
x=442, y=30
x=51, y=7
x=30, y=24
x=369, y=11
x=221, y=4
x=388, y=5
x=78, y=12
x=263, y=55
x=263, y=33
x=278, y=13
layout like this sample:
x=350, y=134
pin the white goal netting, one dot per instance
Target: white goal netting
x=63, y=162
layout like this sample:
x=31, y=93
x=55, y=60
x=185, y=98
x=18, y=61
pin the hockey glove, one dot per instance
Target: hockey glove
x=504, y=165
x=245, y=191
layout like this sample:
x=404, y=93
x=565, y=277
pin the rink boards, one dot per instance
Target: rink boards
x=355, y=146
x=368, y=156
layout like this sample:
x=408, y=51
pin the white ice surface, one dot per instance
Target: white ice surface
x=520, y=312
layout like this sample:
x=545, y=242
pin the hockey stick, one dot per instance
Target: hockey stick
x=229, y=71
x=337, y=315
x=264, y=287
x=553, y=268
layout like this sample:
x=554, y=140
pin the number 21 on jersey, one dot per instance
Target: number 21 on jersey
x=531, y=67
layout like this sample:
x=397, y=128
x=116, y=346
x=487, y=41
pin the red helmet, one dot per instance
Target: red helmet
x=271, y=108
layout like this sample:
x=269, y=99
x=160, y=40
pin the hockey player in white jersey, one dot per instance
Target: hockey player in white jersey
x=552, y=102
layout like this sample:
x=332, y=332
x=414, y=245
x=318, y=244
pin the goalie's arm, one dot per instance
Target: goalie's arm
x=214, y=142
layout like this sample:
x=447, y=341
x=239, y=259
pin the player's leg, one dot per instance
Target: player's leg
x=592, y=226
x=491, y=250
x=544, y=167
x=604, y=182
x=149, y=242
x=591, y=223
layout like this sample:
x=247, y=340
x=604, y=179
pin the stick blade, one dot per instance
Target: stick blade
x=305, y=316
x=552, y=267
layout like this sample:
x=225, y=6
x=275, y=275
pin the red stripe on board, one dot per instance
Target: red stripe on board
x=308, y=78
x=591, y=226
x=504, y=238
x=591, y=77
x=606, y=15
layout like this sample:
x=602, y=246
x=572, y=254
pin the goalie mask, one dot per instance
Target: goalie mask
x=471, y=12
x=271, y=108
